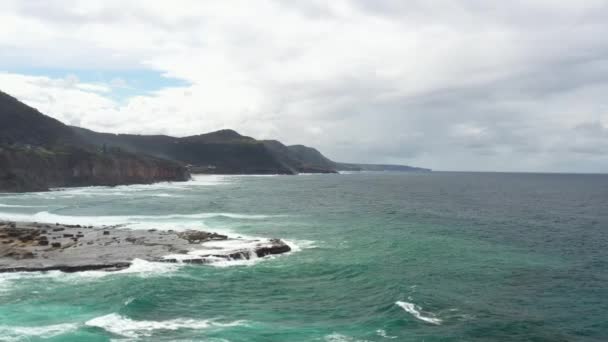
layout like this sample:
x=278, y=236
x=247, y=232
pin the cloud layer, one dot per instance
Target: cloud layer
x=453, y=85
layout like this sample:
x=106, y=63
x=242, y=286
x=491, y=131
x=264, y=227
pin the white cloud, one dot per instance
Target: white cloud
x=448, y=84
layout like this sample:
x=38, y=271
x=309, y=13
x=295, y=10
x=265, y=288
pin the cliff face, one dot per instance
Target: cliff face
x=38, y=153
x=38, y=169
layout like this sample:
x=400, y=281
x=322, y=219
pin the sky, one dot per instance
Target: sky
x=450, y=85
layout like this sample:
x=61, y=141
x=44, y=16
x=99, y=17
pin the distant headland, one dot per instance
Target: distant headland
x=38, y=152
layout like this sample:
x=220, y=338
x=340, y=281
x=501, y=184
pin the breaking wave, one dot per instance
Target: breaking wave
x=415, y=311
x=171, y=221
x=11, y=334
x=126, y=327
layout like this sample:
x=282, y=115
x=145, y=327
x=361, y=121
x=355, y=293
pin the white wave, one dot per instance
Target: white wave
x=212, y=252
x=416, y=312
x=299, y=245
x=349, y=172
x=215, y=253
x=382, y=333
x=10, y=333
x=197, y=181
x=9, y=281
x=123, y=326
x=20, y=206
x=139, y=268
x=171, y=221
x=165, y=195
x=335, y=337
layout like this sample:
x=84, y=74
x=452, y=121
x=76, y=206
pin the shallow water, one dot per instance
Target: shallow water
x=377, y=256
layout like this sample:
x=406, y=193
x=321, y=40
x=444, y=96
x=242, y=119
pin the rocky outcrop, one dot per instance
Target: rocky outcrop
x=73, y=248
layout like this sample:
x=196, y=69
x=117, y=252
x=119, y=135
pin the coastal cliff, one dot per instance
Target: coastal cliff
x=38, y=153
x=38, y=169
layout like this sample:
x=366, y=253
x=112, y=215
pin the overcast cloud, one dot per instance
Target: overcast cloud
x=451, y=85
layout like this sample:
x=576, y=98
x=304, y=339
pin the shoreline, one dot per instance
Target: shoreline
x=34, y=246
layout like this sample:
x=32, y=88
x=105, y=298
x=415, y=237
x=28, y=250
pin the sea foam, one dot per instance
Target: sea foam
x=10, y=333
x=139, y=268
x=170, y=221
x=123, y=326
x=335, y=337
x=416, y=312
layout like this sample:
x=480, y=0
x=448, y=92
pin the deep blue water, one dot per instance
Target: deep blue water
x=378, y=257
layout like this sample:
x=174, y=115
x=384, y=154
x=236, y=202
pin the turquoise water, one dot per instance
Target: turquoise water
x=377, y=257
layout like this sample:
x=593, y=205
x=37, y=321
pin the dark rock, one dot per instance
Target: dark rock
x=43, y=242
x=277, y=247
x=58, y=229
x=105, y=232
x=70, y=268
x=56, y=244
x=68, y=235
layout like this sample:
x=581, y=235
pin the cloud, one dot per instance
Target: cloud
x=456, y=85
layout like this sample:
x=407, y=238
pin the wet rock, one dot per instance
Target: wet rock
x=195, y=236
x=95, y=251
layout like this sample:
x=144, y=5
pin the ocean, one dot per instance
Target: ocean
x=376, y=257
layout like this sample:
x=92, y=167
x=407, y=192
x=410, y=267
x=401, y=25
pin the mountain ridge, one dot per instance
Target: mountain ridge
x=38, y=152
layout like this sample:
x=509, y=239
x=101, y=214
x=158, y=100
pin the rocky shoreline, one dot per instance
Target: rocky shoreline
x=32, y=246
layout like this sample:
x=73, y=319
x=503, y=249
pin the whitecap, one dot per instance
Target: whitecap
x=382, y=333
x=416, y=312
x=123, y=326
x=349, y=172
x=165, y=195
x=197, y=181
x=11, y=333
x=335, y=337
x=20, y=206
x=139, y=268
x=299, y=245
x=170, y=221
